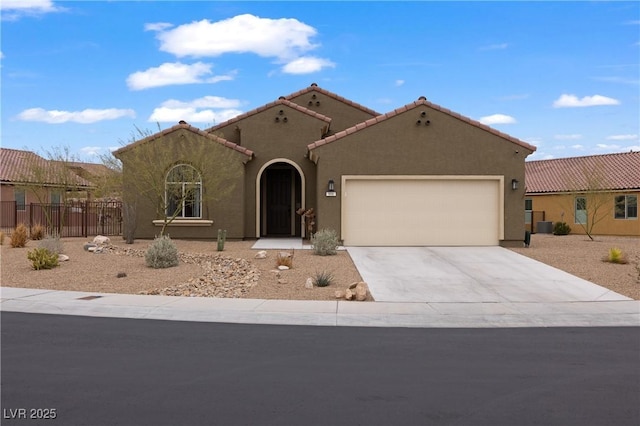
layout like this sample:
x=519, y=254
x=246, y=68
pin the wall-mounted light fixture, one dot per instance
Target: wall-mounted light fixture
x=514, y=184
x=331, y=188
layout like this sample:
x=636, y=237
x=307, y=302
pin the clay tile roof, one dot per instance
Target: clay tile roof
x=412, y=105
x=280, y=101
x=606, y=172
x=314, y=88
x=17, y=166
x=186, y=126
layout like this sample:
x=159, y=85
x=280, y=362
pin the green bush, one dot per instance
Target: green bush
x=41, y=258
x=616, y=256
x=162, y=253
x=325, y=242
x=19, y=236
x=323, y=279
x=561, y=228
x=52, y=243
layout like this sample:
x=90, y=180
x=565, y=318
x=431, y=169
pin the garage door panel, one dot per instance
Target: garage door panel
x=421, y=212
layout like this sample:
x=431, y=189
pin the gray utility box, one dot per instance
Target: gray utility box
x=544, y=227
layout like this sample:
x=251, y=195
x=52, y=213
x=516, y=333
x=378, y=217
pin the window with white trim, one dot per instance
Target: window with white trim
x=528, y=210
x=55, y=197
x=581, y=210
x=183, y=192
x=626, y=207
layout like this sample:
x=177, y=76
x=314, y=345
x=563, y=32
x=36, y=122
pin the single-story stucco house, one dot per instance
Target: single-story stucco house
x=599, y=190
x=418, y=175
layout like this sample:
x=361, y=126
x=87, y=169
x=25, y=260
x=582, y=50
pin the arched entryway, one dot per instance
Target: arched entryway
x=279, y=193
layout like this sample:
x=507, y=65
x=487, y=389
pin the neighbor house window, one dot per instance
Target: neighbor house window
x=528, y=208
x=55, y=197
x=183, y=192
x=20, y=197
x=581, y=210
x=626, y=207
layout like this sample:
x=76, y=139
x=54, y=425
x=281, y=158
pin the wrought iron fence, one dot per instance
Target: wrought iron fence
x=72, y=219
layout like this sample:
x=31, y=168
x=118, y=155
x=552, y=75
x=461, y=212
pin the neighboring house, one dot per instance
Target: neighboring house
x=567, y=189
x=418, y=175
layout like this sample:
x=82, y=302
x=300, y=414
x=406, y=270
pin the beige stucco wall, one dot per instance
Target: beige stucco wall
x=560, y=207
x=342, y=115
x=180, y=147
x=448, y=146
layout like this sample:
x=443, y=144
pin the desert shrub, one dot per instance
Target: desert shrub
x=284, y=258
x=19, y=236
x=323, y=279
x=561, y=228
x=325, y=242
x=41, y=258
x=2, y=238
x=52, y=243
x=162, y=253
x=616, y=256
x=37, y=232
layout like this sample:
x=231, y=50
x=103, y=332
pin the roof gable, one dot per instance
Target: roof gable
x=186, y=126
x=27, y=167
x=281, y=101
x=422, y=101
x=610, y=171
x=314, y=88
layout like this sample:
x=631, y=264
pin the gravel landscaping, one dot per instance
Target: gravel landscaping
x=235, y=272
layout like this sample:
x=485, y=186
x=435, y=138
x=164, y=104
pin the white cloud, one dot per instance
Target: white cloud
x=578, y=147
x=84, y=117
x=607, y=147
x=621, y=80
x=499, y=46
x=285, y=39
x=197, y=110
x=307, y=65
x=399, y=83
x=622, y=137
x=497, y=119
x=157, y=26
x=568, y=137
x=92, y=151
x=572, y=101
x=15, y=9
x=172, y=73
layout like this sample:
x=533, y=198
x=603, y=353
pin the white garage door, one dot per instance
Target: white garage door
x=422, y=211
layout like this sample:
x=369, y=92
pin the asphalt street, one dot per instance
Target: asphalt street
x=99, y=371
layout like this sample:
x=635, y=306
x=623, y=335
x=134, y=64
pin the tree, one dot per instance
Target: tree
x=177, y=172
x=52, y=181
x=591, y=197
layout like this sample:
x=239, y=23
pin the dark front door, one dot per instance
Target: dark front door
x=278, y=201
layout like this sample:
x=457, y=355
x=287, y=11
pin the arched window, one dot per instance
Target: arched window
x=183, y=192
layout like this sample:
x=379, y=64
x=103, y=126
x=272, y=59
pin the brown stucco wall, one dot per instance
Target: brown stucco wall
x=448, y=146
x=179, y=147
x=560, y=207
x=343, y=115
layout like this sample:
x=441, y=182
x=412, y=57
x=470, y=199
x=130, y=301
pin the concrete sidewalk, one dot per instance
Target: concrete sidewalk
x=324, y=313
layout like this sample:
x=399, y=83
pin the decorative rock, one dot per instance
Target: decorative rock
x=101, y=240
x=88, y=246
x=352, y=286
x=361, y=291
x=339, y=294
x=284, y=254
x=97, y=250
x=348, y=294
x=63, y=258
x=308, y=283
x=261, y=254
x=121, y=275
x=283, y=267
x=92, y=248
x=282, y=281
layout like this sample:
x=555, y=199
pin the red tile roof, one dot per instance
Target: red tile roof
x=314, y=88
x=420, y=102
x=280, y=101
x=186, y=126
x=606, y=172
x=26, y=167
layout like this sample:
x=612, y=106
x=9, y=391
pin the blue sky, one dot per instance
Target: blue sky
x=563, y=76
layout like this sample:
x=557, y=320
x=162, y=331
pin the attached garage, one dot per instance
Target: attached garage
x=422, y=210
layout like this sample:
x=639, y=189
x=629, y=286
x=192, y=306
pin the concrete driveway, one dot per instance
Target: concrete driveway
x=468, y=274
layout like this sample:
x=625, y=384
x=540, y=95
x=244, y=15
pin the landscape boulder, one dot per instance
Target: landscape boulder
x=101, y=240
